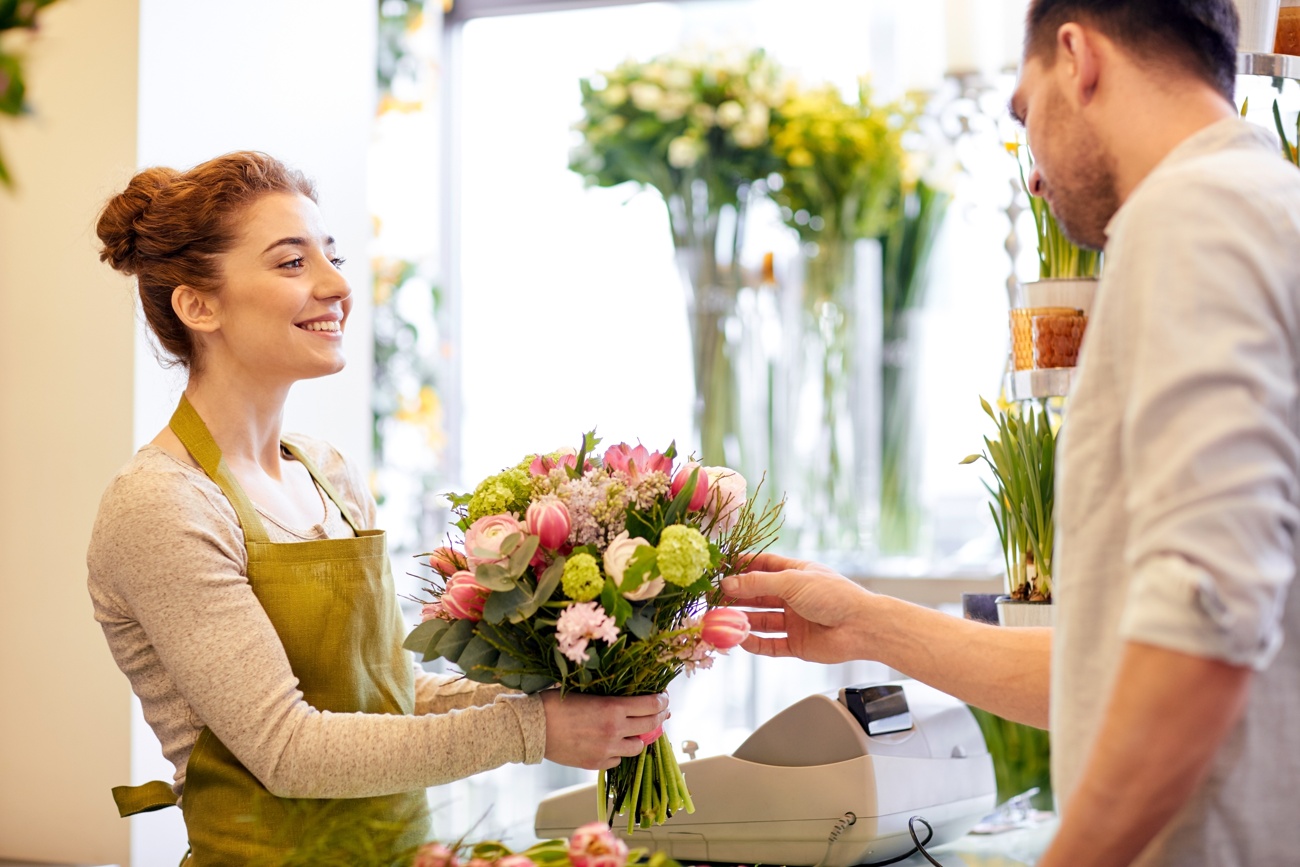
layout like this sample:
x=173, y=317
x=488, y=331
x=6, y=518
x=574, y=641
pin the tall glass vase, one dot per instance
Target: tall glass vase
x=900, y=444
x=707, y=237
x=834, y=441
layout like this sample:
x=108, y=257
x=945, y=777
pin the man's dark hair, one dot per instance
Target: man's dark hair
x=1199, y=36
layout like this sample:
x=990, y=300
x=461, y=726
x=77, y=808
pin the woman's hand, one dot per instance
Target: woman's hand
x=814, y=613
x=597, y=732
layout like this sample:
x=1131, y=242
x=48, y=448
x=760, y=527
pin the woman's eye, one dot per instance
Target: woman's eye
x=292, y=263
x=338, y=262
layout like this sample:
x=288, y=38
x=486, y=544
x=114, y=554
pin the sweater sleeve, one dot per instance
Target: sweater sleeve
x=167, y=564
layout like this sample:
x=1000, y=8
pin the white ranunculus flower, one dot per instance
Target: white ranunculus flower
x=749, y=136
x=758, y=115
x=683, y=152
x=728, y=491
x=618, y=555
x=614, y=95
x=730, y=113
x=646, y=97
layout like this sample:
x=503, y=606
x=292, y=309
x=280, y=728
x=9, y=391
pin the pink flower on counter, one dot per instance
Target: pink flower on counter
x=548, y=519
x=635, y=461
x=700, y=496
x=430, y=611
x=580, y=624
x=618, y=555
x=435, y=855
x=594, y=845
x=724, y=628
x=464, y=597
x=728, y=492
x=447, y=561
x=484, y=537
x=543, y=464
x=516, y=861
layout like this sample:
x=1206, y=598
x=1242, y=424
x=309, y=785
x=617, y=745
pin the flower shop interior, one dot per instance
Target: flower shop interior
x=557, y=215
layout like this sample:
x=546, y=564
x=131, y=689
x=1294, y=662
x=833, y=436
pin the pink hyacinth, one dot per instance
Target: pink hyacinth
x=548, y=520
x=464, y=597
x=700, y=495
x=581, y=623
x=435, y=855
x=724, y=628
x=594, y=845
x=634, y=462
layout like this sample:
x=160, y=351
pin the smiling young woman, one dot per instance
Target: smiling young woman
x=237, y=573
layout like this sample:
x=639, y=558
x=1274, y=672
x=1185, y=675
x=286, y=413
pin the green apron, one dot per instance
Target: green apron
x=333, y=605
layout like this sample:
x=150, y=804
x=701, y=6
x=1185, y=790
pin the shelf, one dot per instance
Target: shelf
x=1271, y=65
x=1031, y=384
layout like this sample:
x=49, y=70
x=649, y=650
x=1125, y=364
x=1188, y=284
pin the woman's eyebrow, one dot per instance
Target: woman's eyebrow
x=296, y=242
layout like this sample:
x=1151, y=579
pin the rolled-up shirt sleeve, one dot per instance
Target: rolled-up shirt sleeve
x=1209, y=440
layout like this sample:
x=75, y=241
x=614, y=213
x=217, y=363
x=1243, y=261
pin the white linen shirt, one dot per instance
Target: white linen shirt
x=1178, y=497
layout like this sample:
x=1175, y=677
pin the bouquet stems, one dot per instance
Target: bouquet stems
x=648, y=788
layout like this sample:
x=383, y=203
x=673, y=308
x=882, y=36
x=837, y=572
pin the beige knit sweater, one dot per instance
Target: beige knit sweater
x=168, y=581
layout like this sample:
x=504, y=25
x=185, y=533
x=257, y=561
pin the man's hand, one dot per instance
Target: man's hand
x=810, y=611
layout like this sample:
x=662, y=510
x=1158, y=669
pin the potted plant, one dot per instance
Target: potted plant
x=1023, y=460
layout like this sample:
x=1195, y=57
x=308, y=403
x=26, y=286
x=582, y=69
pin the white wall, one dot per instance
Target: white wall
x=121, y=84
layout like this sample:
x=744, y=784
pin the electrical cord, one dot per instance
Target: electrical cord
x=841, y=826
x=919, y=847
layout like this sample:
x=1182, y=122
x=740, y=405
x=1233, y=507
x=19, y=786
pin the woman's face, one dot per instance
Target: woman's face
x=283, y=304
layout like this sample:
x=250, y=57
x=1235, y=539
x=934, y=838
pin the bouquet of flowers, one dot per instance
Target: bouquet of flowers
x=598, y=575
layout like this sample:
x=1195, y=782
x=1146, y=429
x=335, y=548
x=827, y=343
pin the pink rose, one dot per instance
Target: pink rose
x=516, y=861
x=617, y=556
x=447, y=561
x=700, y=496
x=594, y=845
x=728, y=496
x=430, y=610
x=484, y=537
x=724, y=628
x=635, y=461
x=548, y=520
x=464, y=597
x=435, y=855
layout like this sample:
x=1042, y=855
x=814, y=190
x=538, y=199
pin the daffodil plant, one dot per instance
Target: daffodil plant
x=1058, y=256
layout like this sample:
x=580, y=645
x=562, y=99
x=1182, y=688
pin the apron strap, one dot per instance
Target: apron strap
x=325, y=485
x=198, y=441
x=154, y=795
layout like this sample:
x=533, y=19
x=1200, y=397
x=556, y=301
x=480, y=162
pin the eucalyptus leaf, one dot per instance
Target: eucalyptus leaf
x=478, y=654
x=453, y=641
x=493, y=577
x=510, y=543
x=561, y=662
x=522, y=555
x=503, y=604
x=642, y=622
x=533, y=683
x=422, y=637
x=545, y=589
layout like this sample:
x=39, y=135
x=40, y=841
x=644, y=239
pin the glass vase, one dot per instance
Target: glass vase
x=901, y=514
x=834, y=439
x=707, y=238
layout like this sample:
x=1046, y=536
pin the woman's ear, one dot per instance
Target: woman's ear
x=196, y=310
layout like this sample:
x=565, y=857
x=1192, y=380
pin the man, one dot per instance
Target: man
x=1173, y=703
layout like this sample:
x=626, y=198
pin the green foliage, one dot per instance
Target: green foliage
x=1022, y=757
x=1023, y=460
x=15, y=15
x=1291, y=152
x=397, y=18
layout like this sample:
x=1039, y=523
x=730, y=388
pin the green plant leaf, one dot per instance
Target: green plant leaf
x=561, y=662
x=522, y=555
x=453, y=641
x=478, y=655
x=422, y=638
x=534, y=683
x=494, y=577
x=642, y=621
x=503, y=604
x=545, y=589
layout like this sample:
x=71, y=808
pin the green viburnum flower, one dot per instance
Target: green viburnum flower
x=683, y=555
x=508, y=491
x=582, y=579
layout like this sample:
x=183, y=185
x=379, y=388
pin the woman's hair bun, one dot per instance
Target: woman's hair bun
x=120, y=223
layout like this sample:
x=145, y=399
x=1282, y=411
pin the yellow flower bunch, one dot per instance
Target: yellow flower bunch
x=840, y=162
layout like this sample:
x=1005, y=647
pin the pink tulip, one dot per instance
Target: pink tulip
x=464, y=597
x=484, y=537
x=636, y=461
x=700, y=495
x=435, y=855
x=594, y=845
x=548, y=520
x=447, y=561
x=724, y=628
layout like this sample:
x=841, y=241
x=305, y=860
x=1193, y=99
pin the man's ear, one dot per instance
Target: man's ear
x=1079, y=60
x=196, y=310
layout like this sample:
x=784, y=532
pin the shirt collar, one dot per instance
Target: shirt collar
x=1226, y=134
